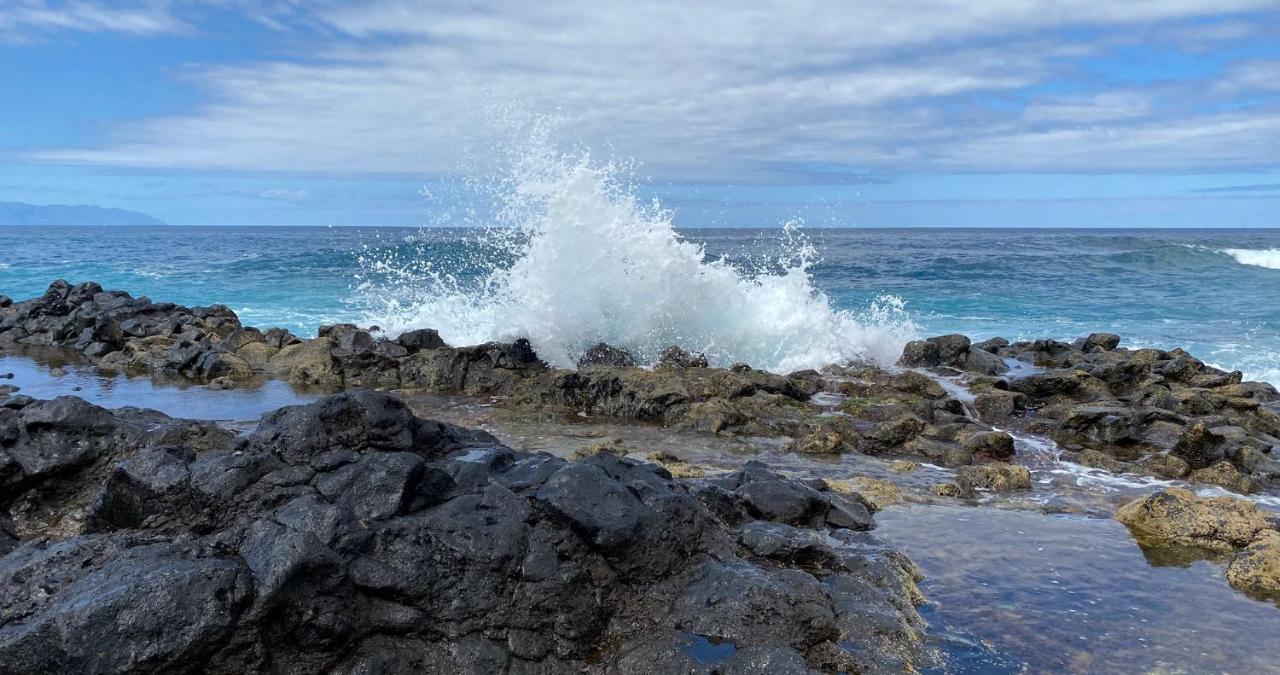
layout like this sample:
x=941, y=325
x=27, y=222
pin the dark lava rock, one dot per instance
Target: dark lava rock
x=605, y=355
x=418, y=340
x=351, y=536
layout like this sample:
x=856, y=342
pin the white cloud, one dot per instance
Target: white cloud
x=25, y=20
x=718, y=87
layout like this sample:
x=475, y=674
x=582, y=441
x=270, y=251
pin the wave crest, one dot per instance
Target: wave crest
x=1262, y=257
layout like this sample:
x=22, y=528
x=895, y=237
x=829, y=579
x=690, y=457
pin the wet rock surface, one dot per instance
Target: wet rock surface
x=1145, y=411
x=351, y=536
x=1222, y=525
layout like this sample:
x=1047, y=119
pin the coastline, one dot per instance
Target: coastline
x=967, y=409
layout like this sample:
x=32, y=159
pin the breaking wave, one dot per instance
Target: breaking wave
x=1262, y=257
x=572, y=257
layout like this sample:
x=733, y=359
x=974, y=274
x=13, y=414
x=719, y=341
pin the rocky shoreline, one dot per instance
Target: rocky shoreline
x=1138, y=411
x=350, y=535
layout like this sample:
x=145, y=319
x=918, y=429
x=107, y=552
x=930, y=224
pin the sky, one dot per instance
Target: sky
x=1084, y=113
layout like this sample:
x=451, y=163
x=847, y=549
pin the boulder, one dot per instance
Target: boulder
x=417, y=340
x=989, y=445
x=1256, y=569
x=1103, y=341
x=308, y=362
x=605, y=355
x=1179, y=516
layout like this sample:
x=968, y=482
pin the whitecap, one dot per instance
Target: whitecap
x=1259, y=257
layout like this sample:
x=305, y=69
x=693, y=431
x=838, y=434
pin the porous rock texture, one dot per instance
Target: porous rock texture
x=350, y=536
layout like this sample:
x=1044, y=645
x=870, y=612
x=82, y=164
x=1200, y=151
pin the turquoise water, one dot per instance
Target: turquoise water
x=1213, y=291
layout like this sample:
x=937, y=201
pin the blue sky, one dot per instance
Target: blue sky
x=917, y=112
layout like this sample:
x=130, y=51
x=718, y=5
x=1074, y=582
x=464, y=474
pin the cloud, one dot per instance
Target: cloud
x=716, y=88
x=24, y=20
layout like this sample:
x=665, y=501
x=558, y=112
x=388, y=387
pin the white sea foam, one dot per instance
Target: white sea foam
x=582, y=260
x=1258, y=257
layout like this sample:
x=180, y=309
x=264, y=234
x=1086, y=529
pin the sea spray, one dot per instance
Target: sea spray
x=575, y=257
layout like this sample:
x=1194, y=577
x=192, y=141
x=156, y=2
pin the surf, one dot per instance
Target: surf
x=572, y=256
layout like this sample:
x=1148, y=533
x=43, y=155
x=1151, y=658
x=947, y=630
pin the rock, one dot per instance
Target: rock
x=994, y=345
x=604, y=355
x=1103, y=341
x=675, y=357
x=308, y=362
x=350, y=536
x=994, y=477
x=417, y=340
x=946, y=490
x=678, y=467
x=1164, y=465
x=1179, y=516
x=952, y=349
x=1200, y=447
x=612, y=446
x=880, y=493
x=995, y=405
x=1100, y=460
x=822, y=441
x=1225, y=474
x=903, y=466
x=989, y=445
x=1256, y=569
x=920, y=354
x=983, y=362
x=1048, y=383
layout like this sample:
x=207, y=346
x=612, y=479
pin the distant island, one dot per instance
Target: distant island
x=17, y=213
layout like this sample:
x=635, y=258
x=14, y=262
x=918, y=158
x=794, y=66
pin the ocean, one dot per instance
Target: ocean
x=776, y=298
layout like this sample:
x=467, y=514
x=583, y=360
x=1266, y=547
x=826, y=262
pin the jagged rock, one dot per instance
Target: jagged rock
x=605, y=355
x=675, y=357
x=350, y=536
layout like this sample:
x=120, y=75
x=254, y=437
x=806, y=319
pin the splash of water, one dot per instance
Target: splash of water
x=579, y=259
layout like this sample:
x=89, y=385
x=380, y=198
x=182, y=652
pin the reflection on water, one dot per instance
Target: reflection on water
x=50, y=377
x=1075, y=594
